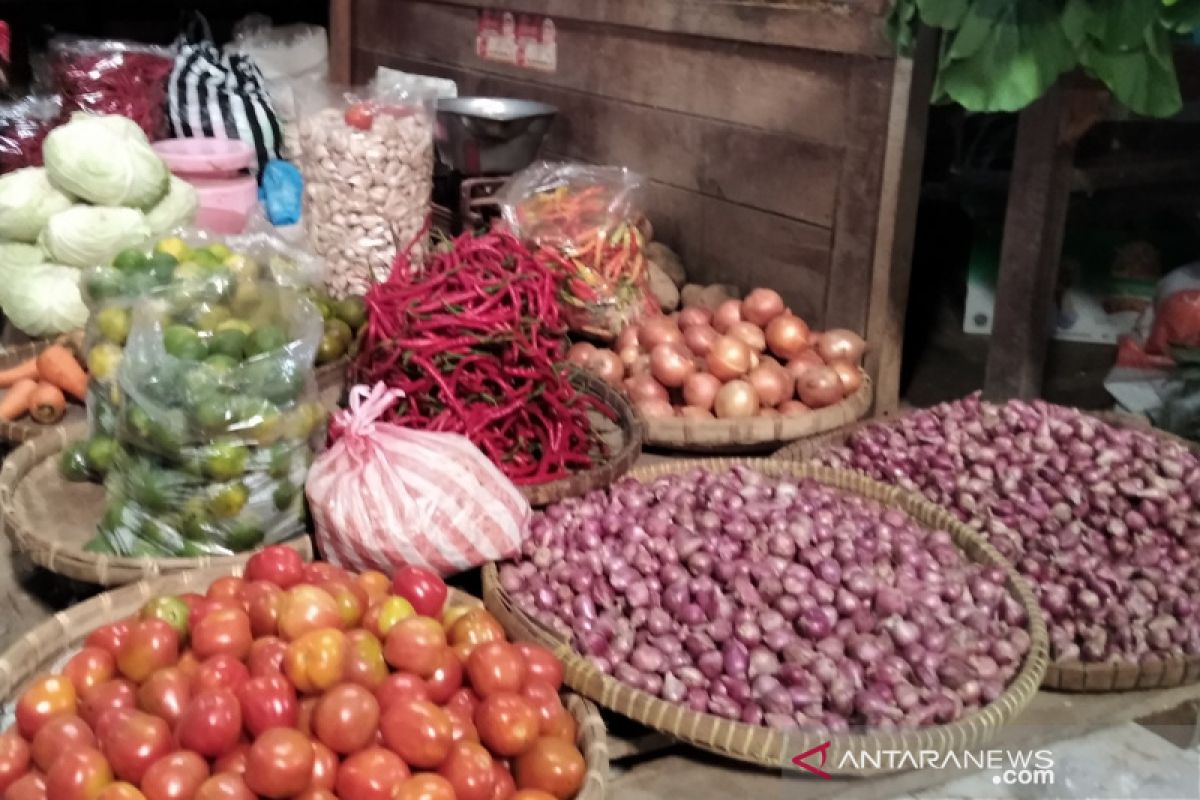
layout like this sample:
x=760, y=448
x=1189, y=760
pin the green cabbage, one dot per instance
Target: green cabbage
x=27, y=199
x=177, y=208
x=44, y=300
x=16, y=257
x=99, y=159
x=88, y=236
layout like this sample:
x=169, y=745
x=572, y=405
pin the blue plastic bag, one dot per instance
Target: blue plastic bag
x=281, y=192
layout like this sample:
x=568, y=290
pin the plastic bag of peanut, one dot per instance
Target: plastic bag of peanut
x=367, y=161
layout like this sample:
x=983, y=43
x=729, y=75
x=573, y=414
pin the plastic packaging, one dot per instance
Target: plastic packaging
x=109, y=76
x=383, y=496
x=585, y=221
x=24, y=124
x=367, y=161
x=282, y=192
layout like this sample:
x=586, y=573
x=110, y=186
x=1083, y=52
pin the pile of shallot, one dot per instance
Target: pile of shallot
x=747, y=358
x=1104, y=521
x=772, y=601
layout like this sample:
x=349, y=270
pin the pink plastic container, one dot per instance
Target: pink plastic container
x=211, y=158
x=214, y=167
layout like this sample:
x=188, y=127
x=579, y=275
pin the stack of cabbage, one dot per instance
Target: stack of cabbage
x=103, y=189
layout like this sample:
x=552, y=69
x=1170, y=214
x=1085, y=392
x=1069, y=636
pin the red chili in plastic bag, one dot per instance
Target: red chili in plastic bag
x=111, y=77
x=24, y=124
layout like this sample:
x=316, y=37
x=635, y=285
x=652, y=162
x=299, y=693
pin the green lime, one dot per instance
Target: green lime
x=155, y=531
x=246, y=297
x=215, y=414
x=130, y=260
x=151, y=488
x=220, y=362
x=210, y=318
x=352, y=311
x=168, y=430
x=162, y=266
x=244, y=536
x=277, y=379
x=224, y=461
x=138, y=422
x=339, y=329
x=284, y=495
x=205, y=259
x=243, y=267
x=325, y=306
x=169, y=609
x=331, y=348
x=230, y=342
x=265, y=339
x=113, y=515
x=266, y=427
x=183, y=342
x=104, y=283
x=101, y=452
x=281, y=461
x=103, y=360
x=73, y=462
x=219, y=251
x=189, y=271
x=229, y=500
x=139, y=283
x=173, y=246
x=302, y=420
x=113, y=324
x=240, y=325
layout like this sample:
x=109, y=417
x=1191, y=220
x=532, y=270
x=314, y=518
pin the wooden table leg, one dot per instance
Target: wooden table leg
x=1038, y=196
x=340, y=43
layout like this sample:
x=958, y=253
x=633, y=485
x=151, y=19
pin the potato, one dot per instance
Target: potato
x=666, y=259
x=663, y=288
x=694, y=294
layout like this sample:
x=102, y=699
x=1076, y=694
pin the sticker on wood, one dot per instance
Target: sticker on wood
x=522, y=40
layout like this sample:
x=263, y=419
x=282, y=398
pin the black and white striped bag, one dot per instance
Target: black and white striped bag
x=211, y=94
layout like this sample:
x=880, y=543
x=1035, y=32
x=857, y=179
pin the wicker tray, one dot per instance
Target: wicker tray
x=755, y=433
x=1068, y=676
x=44, y=647
x=24, y=429
x=50, y=519
x=766, y=746
x=623, y=437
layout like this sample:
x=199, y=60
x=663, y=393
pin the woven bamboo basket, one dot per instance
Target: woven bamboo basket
x=774, y=748
x=24, y=429
x=45, y=647
x=754, y=433
x=1072, y=676
x=50, y=519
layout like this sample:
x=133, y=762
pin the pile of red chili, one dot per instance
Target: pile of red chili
x=476, y=342
x=111, y=77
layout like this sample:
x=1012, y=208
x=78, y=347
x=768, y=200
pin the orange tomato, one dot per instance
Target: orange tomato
x=383, y=616
x=316, y=660
x=307, y=608
x=375, y=584
x=47, y=697
x=551, y=765
x=414, y=645
x=472, y=629
x=425, y=786
x=364, y=659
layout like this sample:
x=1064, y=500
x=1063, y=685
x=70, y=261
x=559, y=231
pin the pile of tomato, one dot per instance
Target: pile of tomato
x=297, y=681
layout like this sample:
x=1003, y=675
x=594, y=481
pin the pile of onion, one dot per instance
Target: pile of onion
x=772, y=601
x=1104, y=521
x=750, y=357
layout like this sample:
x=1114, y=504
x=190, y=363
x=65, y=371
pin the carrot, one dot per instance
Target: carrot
x=47, y=404
x=26, y=369
x=15, y=402
x=57, y=365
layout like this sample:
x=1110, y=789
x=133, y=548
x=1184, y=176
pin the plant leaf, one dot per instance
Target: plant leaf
x=1143, y=80
x=942, y=13
x=1182, y=16
x=1121, y=24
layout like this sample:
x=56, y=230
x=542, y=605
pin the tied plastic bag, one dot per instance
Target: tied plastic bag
x=107, y=76
x=383, y=496
x=24, y=124
x=584, y=221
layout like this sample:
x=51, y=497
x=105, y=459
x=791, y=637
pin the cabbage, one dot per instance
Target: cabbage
x=100, y=160
x=178, y=207
x=88, y=236
x=27, y=199
x=44, y=300
x=16, y=257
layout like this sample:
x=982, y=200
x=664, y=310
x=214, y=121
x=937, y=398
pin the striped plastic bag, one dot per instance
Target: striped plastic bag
x=383, y=495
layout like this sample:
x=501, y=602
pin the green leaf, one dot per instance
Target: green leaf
x=1077, y=20
x=901, y=26
x=1121, y=24
x=942, y=13
x=1181, y=16
x=1143, y=80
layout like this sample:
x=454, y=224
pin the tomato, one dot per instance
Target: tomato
x=78, y=774
x=151, y=645
x=228, y=587
x=317, y=572
x=110, y=637
x=453, y=614
x=507, y=724
x=364, y=659
x=345, y=718
x=14, y=758
x=58, y=735
x=222, y=631
x=234, y=761
x=279, y=564
x=474, y=628
x=325, y=767
x=552, y=765
x=530, y=794
x=170, y=610
x=177, y=776
x=207, y=605
x=211, y=723
x=415, y=645
x=421, y=587
x=545, y=701
x=462, y=728
x=194, y=602
x=307, y=608
x=316, y=794
x=317, y=660
x=120, y=791
x=495, y=667
x=31, y=786
x=400, y=686
x=117, y=693
x=446, y=678
x=503, y=785
x=266, y=656
x=375, y=584
x=351, y=601
x=371, y=774
x=110, y=719
x=90, y=667
x=463, y=701
x=268, y=702
x=47, y=696
x=417, y=731
x=468, y=768
x=541, y=664
x=165, y=694
x=383, y=616
x=188, y=664
x=425, y=786
x=224, y=786
x=263, y=600
x=304, y=716
x=280, y=763
x=562, y=725
x=134, y=743
x=222, y=671
x=360, y=115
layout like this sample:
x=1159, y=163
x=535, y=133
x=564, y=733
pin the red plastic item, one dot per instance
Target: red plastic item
x=1176, y=322
x=113, y=77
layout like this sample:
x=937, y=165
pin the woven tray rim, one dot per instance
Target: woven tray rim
x=72, y=561
x=1073, y=676
x=765, y=746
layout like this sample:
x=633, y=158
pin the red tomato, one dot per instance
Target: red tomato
x=375, y=584
x=425, y=786
x=263, y=601
x=545, y=701
x=462, y=728
x=507, y=724
x=361, y=116
x=317, y=660
x=325, y=767
x=268, y=702
x=304, y=718
x=151, y=645
x=563, y=725
x=316, y=794
x=224, y=787
x=90, y=667
x=551, y=765
x=453, y=614
x=170, y=610
x=345, y=718
x=234, y=761
x=110, y=719
x=266, y=656
x=415, y=645
x=117, y=693
x=165, y=694
x=57, y=736
x=418, y=732
x=463, y=701
x=541, y=664
x=177, y=776
x=371, y=774
x=120, y=791
x=280, y=763
x=472, y=629
x=468, y=767
x=207, y=605
x=351, y=601
x=279, y=564
x=194, y=602
x=222, y=631
x=134, y=743
x=14, y=758
x=364, y=659
x=222, y=671
x=47, y=696
x=446, y=678
x=531, y=794
x=495, y=667
x=400, y=686
x=503, y=786
x=78, y=774
x=110, y=637
x=227, y=588
x=31, y=786
x=307, y=608
x=424, y=589
x=188, y=664
x=317, y=572
x=383, y=616
x=211, y=723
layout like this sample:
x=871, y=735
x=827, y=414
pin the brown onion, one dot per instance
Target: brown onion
x=850, y=376
x=580, y=353
x=696, y=413
x=761, y=306
x=644, y=387
x=658, y=331
x=749, y=333
x=629, y=337
x=700, y=338
x=768, y=412
x=729, y=358
x=839, y=344
x=820, y=387
x=770, y=384
x=736, y=399
x=629, y=355
x=802, y=363
x=793, y=408
x=671, y=365
x=640, y=366
x=654, y=408
x=728, y=313
x=607, y=365
x=700, y=389
x=787, y=336
x=694, y=315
